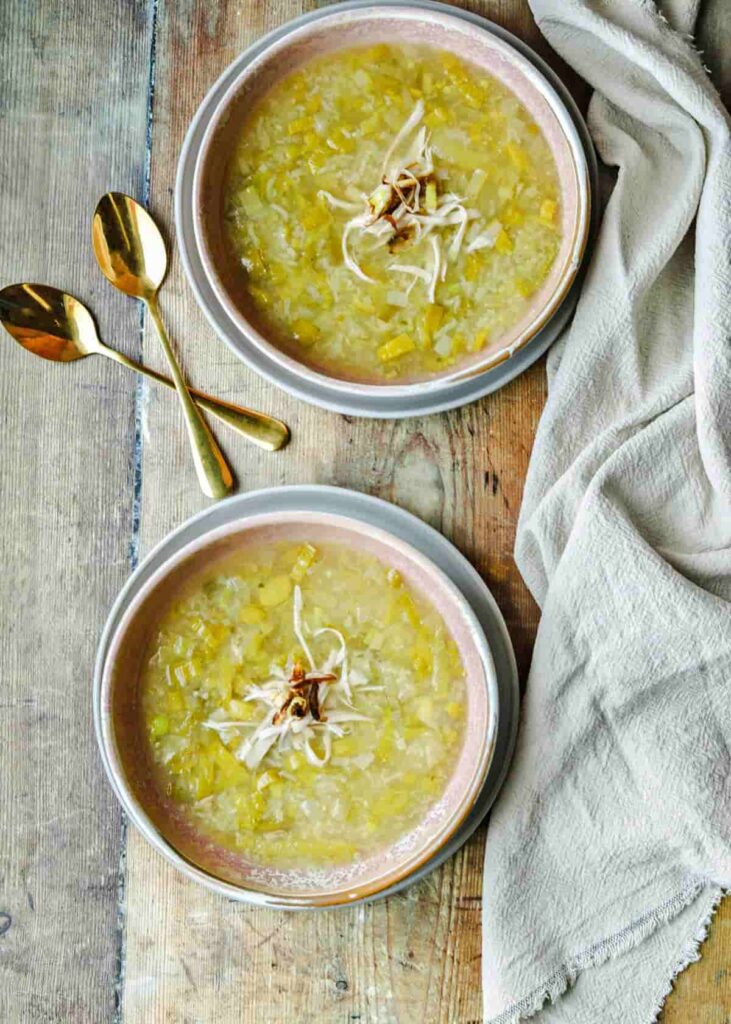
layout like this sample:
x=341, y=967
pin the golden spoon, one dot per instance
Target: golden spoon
x=53, y=324
x=131, y=254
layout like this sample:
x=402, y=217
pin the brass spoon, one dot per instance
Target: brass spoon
x=53, y=324
x=131, y=254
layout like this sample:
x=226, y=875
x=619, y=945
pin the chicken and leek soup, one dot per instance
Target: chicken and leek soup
x=394, y=209
x=304, y=706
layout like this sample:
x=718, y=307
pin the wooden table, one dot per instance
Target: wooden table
x=94, y=926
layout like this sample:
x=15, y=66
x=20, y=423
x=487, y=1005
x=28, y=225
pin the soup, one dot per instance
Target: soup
x=302, y=705
x=394, y=210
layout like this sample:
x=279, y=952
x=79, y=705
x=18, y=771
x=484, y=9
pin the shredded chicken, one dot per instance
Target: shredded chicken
x=299, y=706
x=436, y=267
x=486, y=239
x=407, y=206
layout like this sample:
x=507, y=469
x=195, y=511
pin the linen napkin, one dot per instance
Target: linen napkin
x=611, y=843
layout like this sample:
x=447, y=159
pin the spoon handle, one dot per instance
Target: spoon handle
x=264, y=431
x=214, y=476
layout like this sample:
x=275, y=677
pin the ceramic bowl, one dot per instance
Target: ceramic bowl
x=125, y=753
x=344, y=29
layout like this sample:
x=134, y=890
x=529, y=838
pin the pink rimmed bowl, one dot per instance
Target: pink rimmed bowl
x=164, y=825
x=350, y=27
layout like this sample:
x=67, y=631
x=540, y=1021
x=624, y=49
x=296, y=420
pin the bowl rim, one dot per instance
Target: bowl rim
x=262, y=895
x=300, y=28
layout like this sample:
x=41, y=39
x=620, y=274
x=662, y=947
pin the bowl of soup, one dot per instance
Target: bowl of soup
x=389, y=200
x=298, y=709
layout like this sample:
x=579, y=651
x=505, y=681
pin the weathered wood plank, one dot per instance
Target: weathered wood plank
x=702, y=993
x=73, y=93
x=73, y=86
x=415, y=958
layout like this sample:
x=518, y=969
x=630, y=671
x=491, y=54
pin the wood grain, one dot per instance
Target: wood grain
x=73, y=88
x=76, y=86
x=417, y=956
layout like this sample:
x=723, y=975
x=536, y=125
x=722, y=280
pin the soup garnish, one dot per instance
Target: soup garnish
x=303, y=706
x=405, y=222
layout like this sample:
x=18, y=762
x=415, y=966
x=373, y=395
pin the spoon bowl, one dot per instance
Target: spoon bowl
x=56, y=326
x=49, y=323
x=129, y=246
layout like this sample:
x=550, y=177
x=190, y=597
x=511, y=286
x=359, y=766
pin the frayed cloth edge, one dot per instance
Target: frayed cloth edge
x=616, y=945
x=692, y=948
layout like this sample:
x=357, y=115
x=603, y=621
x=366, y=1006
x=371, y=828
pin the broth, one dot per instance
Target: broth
x=394, y=209
x=288, y=770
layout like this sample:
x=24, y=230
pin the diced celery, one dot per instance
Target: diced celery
x=547, y=211
x=159, y=726
x=252, y=615
x=395, y=348
x=473, y=266
x=518, y=155
x=175, y=701
x=305, y=331
x=425, y=710
x=394, y=578
x=306, y=556
x=298, y=125
x=251, y=202
x=480, y=340
x=503, y=242
x=478, y=179
x=512, y=215
x=275, y=591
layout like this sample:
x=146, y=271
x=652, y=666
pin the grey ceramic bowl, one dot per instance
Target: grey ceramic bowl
x=375, y=512
x=344, y=28
x=161, y=821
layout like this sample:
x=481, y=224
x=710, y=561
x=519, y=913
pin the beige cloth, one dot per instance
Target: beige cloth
x=611, y=842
